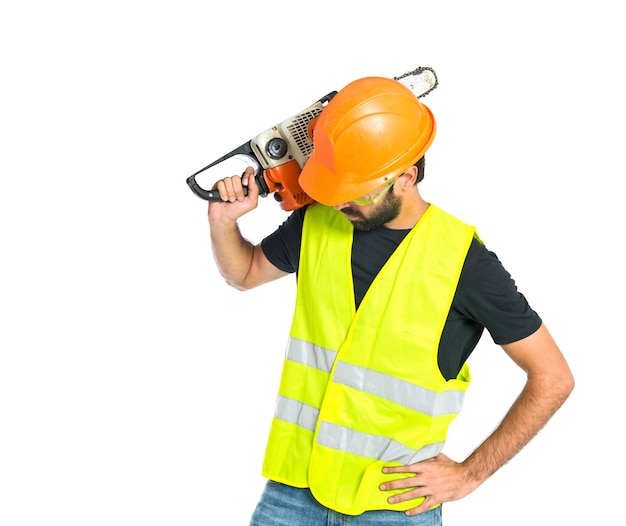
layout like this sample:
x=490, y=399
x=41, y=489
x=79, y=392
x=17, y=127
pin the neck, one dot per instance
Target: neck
x=412, y=209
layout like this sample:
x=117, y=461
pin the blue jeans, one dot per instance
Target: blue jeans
x=282, y=505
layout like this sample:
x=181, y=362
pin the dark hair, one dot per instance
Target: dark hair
x=420, y=169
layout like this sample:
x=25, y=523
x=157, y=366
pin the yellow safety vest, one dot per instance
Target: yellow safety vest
x=362, y=389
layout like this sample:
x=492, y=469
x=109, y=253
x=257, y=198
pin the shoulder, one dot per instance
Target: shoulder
x=488, y=294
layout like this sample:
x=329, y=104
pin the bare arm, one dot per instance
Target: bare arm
x=242, y=264
x=549, y=383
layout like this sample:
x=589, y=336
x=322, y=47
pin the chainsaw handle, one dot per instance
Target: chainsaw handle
x=207, y=195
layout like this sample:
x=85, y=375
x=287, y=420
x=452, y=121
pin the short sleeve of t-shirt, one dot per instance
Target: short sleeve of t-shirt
x=282, y=247
x=488, y=294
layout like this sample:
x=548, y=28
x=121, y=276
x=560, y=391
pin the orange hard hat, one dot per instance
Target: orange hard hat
x=371, y=131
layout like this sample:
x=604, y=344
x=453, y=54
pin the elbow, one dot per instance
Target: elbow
x=568, y=384
x=567, y=380
x=562, y=386
x=554, y=387
x=238, y=284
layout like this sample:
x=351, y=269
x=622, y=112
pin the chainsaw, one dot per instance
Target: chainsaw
x=279, y=154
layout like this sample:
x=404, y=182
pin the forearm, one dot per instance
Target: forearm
x=233, y=254
x=536, y=404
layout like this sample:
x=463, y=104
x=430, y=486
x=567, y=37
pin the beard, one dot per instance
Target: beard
x=387, y=210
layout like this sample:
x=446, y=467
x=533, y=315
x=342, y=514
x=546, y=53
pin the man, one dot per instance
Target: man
x=393, y=295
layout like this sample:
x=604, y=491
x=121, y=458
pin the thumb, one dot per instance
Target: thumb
x=248, y=179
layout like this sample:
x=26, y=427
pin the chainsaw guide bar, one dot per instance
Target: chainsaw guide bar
x=420, y=81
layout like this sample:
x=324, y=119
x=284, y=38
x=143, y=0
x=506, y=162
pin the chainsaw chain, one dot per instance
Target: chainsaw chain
x=419, y=71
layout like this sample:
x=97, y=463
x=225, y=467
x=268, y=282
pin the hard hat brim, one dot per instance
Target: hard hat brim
x=320, y=184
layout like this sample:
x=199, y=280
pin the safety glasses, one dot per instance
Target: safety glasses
x=375, y=196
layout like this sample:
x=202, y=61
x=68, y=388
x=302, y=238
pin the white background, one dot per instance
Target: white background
x=136, y=387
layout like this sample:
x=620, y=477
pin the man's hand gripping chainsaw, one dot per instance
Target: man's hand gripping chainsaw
x=279, y=154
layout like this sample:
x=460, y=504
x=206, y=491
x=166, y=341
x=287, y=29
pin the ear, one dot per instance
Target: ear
x=407, y=179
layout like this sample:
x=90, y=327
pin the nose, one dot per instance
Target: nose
x=341, y=206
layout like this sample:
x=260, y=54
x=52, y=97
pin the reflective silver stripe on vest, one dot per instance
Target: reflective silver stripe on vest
x=399, y=391
x=388, y=387
x=296, y=412
x=372, y=446
x=309, y=354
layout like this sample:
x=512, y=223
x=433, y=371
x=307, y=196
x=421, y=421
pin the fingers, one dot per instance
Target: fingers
x=232, y=188
x=249, y=180
x=406, y=482
x=427, y=504
x=430, y=482
x=415, y=492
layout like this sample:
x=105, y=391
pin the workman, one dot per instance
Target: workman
x=393, y=294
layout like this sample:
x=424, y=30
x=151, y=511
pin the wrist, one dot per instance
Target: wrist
x=476, y=470
x=221, y=221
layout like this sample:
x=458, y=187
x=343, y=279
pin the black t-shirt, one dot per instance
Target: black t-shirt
x=486, y=295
